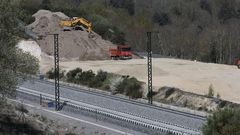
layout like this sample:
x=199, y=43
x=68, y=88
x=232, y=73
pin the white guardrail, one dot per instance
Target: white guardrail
x=136, y=120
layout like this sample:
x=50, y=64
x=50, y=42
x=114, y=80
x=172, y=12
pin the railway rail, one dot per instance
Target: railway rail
x=139, y=114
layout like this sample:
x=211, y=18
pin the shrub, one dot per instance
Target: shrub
x=51, y=74
x=101, y=75
x=169, y=92
x=106, y=87
x=121, y=86
x=223, y=122
x=85, y=77
x=210, y=91
x=131, y=87
x=71, y=75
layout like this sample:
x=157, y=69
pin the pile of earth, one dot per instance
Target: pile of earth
x=177, y=97
x=73, y=45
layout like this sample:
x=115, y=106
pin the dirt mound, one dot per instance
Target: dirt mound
x=73, y=44
x=177, y=97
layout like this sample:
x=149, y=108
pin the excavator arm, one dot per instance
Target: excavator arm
x=83, y=21
x=77, y=21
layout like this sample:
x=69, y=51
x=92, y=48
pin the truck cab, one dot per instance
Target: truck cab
x=121, y=52
x=238, y=63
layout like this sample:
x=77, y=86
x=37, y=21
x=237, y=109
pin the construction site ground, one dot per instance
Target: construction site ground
x=190, y=76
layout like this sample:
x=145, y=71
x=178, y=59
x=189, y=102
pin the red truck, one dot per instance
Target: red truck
x=121, y=52
x=238, y=63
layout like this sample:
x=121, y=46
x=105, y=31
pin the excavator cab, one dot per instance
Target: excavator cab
x=75, y=23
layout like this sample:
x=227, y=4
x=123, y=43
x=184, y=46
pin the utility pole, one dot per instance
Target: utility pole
x=56, y=71
x=149, y=64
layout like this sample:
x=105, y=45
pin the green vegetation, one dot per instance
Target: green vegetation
x=102, y=80
x=210, y=91
x=131, y=87
x=13, y=62
x=223, y=122
x=89, y=78
x=51, y=74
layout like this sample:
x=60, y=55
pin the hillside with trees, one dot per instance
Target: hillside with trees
x=204, y=30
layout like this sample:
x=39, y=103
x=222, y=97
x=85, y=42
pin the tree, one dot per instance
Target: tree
x=46, y=4
x=161, y=18
x=130, y=6
x=13, y=62
x=117, y=3
x=227, y=10
x=205, y=5
x=210, y=91
x=213, y=54
x=223, y=122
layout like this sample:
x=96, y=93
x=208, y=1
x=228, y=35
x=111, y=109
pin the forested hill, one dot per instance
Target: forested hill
x=205, y=30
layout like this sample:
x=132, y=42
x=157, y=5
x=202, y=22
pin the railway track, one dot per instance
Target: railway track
x=136, y=113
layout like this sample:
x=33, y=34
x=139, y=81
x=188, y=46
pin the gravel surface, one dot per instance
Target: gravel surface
x=118, y=105
x=68, y=125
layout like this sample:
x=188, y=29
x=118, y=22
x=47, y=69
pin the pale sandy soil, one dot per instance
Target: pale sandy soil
x=187, y=75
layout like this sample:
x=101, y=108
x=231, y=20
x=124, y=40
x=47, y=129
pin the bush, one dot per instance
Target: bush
x=131, y=87
x=71, y=75
x=85, y=77
x=223, y=122
x=51, y=74
x=210, y=91
x=101, y=75
x=121, y=86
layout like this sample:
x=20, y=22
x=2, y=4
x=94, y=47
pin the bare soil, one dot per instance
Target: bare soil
x=190, y=76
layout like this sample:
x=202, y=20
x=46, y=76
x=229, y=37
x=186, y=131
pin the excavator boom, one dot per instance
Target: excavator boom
x=77, y=21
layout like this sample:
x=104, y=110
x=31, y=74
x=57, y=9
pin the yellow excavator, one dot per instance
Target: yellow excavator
x=75, y=23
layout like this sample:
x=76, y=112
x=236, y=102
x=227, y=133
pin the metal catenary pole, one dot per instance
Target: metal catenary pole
x=56, y=72
x=149, y=62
